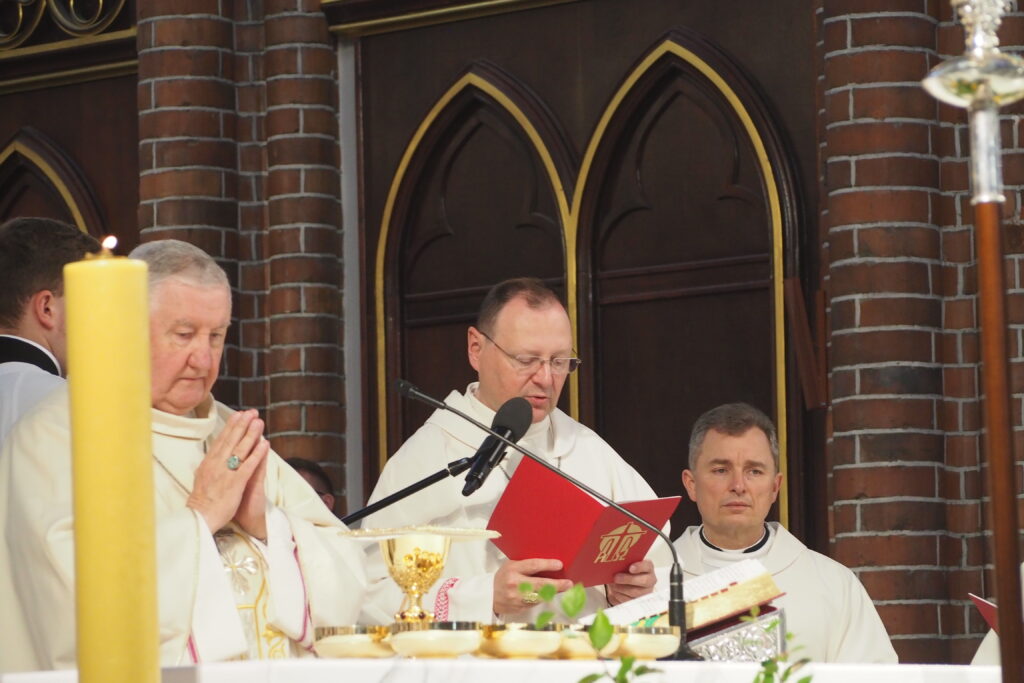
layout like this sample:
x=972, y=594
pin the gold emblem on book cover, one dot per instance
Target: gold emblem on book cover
x=616, y=544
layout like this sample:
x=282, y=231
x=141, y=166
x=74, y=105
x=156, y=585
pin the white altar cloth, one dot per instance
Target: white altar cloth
x=472, y=670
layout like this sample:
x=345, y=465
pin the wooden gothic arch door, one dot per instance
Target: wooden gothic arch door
x=657, y=195
x=478, y=197
x=37, y=178
x=685, y=205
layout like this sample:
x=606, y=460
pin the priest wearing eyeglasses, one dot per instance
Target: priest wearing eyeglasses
x=521, y=345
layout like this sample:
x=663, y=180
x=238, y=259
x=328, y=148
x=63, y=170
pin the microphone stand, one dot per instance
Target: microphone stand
x=453, y=469
x=676, y=603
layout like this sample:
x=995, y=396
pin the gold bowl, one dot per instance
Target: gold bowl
x=353, y=641
x=520, y=641
x=435, y=638
x=646, y=642
x=576, y=644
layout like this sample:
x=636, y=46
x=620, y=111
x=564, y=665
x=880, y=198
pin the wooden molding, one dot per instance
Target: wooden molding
x=367, y=17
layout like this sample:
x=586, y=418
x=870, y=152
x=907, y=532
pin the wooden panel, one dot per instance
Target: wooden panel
x=27, y=195
x=685, y=186
x=95, y=125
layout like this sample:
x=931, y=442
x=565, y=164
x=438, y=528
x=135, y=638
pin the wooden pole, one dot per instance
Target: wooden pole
x=1002, y=480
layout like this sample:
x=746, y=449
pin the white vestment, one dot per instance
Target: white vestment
x=446, y=437
x=829, y=613
x=306, y=575
x=24, y=384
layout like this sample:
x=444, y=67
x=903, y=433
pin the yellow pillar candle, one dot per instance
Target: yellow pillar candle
x=107, y=313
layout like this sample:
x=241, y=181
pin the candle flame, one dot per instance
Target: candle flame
x=109, y=242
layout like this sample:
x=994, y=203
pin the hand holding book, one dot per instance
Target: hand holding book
x=542, y=515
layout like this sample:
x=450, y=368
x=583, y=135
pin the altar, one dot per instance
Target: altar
x=473, y=670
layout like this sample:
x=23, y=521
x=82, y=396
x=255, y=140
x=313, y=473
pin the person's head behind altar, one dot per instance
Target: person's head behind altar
x=317, y=478
x=33, y=253
x=733, y=473
x=189, y=315
x=522, y=345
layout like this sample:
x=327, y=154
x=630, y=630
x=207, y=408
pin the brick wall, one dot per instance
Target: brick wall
x=304, y=367
x=239, y=155
x=907, y=477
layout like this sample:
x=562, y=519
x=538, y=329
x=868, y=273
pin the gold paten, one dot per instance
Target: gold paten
x=520, y=641
x=353, y=641
x=647, y=642
x=435, y=639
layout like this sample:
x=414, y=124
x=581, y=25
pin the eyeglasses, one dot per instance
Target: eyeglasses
x=527, y=365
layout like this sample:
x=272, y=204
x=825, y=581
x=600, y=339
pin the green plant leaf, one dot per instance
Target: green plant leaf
x=625, y=664
x=525, y=587
x=643, y=669
x=806, y=679
x=590, y=678
x=600, y=631
x=544, y=618
x=573, y=600
x=547, y=592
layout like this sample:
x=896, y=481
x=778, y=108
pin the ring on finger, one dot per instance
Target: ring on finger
x=234, y=462
x=531, y=598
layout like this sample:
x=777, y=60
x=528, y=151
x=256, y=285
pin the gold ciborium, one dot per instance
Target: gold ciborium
x=415, y=562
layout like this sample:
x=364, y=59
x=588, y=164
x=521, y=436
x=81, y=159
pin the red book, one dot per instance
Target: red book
x=988, y=610
x=542, y=515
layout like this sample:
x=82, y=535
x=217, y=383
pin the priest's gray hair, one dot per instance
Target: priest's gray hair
x=732, y=419
x=176, y=259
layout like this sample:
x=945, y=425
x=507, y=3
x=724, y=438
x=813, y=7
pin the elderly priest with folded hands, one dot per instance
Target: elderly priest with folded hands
x=249, y=558
x=734, y=478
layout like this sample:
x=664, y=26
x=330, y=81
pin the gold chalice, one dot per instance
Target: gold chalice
x=415, y=557
x=415, y=562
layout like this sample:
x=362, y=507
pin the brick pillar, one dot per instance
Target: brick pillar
x=886, y=448
x=188, y=182
x=252, y=234
x=305, y=408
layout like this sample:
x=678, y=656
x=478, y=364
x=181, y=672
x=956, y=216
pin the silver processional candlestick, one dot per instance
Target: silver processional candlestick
x=981, y=81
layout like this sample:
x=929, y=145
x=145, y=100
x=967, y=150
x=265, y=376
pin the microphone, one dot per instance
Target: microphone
x=511, y=421
x=407, y=388
x=676, y=604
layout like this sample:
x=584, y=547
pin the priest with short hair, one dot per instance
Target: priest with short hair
x=734, y=478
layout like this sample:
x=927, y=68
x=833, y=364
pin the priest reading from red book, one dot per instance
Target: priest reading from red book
x=521, y=345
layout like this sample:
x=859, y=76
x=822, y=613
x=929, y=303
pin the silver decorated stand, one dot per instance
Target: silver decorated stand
x=747, y=641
